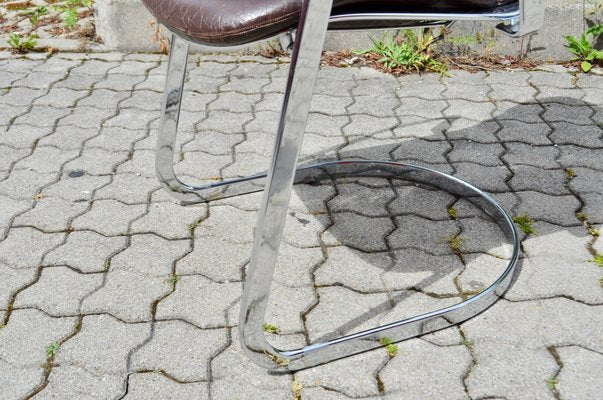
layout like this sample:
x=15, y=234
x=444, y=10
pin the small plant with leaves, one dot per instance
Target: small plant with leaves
x=407, y=52
x=22, y=44
x=69, y=12
x=51, y=350
x=453, y=212
x=525, y=223
x=172, y=279
x=598, y=259
x=36, y=14
x=552, y=382
x=570, y=173
x=584, y=49
x=268, y=328
x=390, y=346
x=455, y=243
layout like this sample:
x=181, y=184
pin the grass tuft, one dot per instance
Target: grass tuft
x=268, y=328
x=391, y=347
x=51, y=350
x=525, y=223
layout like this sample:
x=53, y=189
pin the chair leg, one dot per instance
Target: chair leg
x=296, y=106
x=168, y=129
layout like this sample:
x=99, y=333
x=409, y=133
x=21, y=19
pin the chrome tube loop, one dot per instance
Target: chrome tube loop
x=283, y=172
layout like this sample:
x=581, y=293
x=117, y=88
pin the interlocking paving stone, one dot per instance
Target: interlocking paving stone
x=356, y=253
x=180, y=350
x=549, y=181
x=579, y=377
x=353, y=269
x=156, y=385
x=341, y=311
x=498, y=374
x=68, y=137
x=416, y=269
x=109, y=217
x=358, y=381
x=359, y=232
x=423, y=370
x=86, y=251
x=22, y=349
x=28, y=333
x=51, y=214
x=58, y=291
x=127, y=295
x=128, y=189
x=23, y=136
x=581, y=135
x=15, y=255
x=97, y=356
x=97, y=161
x=200, y=301
x=423, y=234
x=46, y=159
x=17, y=381
x=249, y=382
x=12, y=280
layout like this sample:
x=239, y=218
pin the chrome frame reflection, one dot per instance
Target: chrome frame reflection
x=520, y=18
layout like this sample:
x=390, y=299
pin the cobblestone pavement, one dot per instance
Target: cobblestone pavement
x=111, y=290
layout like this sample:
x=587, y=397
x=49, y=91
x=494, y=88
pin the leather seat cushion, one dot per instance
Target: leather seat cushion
x=237, y=22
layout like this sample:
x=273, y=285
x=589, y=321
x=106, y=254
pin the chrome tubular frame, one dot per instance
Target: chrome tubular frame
x=523, y=17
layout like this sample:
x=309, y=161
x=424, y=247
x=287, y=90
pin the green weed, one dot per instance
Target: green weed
x=455, y=243
x=453, y=213
x=391, y=347
x=598, y=260
x=407, y=52
x=552, y=382
x=51, y=350
x=172, y=279
x=583, y=48
x=525, y=223
x=268, y=328
x=21, y=44
x=36, y=13
x=570, y=174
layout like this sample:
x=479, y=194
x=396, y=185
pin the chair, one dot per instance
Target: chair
x=233, y=23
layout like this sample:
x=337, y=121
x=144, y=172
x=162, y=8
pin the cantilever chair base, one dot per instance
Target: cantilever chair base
x=277, y=183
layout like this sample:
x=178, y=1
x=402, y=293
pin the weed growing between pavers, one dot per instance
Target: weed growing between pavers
x=390, y=346
x=51, y=350
x=453, y=212
x=268, y=328
x=525, y=223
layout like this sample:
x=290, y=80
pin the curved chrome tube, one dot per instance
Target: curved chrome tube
x=283, y=173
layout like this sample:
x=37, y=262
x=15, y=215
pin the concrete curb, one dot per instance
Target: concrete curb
x=126, y=25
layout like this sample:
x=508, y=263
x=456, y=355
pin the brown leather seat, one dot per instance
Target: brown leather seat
x=237, y=22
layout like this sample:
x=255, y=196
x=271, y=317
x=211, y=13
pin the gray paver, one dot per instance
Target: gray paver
x=15, y=255
x=58, y=291
x=102, y=346
x=423, y=370
x=579, y=377
x=127, y=295
x=200, y=301
x=156, y=385
x=86, y=251
x=118, y=215
x=51, y=214
x=180, y=350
